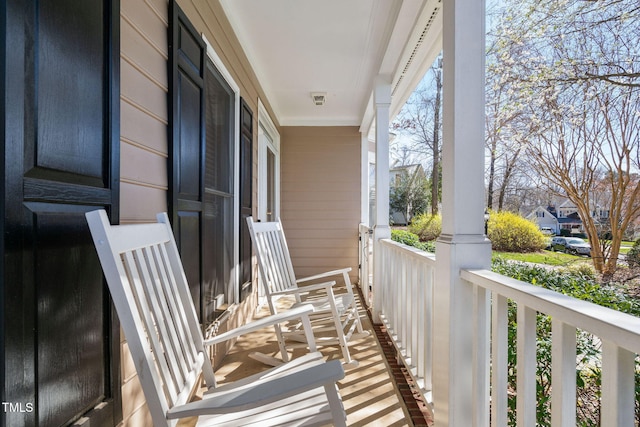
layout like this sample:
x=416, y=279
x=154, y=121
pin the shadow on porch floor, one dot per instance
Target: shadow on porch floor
x=370, y=395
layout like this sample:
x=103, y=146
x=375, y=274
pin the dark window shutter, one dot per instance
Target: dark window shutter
x=246, y=196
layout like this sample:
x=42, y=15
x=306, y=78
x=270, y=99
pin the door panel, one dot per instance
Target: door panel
x=60, y=346
x=71, y=347
x=69, y=107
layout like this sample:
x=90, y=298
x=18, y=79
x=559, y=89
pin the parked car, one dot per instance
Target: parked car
x=548, y=231
x=571, y=245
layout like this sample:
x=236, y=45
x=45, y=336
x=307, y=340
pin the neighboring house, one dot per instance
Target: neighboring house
x=410, y=176
x=599, y=213
x=570, y=219
x=565, y=217
x=571, y=223
x=545, y=219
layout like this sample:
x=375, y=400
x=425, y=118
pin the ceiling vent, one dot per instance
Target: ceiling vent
x=319, y=98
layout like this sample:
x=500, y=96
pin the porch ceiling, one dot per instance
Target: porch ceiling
x=297, y=47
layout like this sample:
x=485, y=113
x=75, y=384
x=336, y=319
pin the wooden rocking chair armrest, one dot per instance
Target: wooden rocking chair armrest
x=306, y=288
x=263, y=391
x=294, y=313
x=326, y=274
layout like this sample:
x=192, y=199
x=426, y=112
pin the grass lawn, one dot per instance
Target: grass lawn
x=625, y=247
x=553, y=258
x=542, y=257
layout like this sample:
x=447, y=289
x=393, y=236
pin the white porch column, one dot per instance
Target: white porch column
x=381, y=230
x=462, y=243
x=364, y=177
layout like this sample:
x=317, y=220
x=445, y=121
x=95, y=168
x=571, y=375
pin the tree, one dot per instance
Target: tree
x=409, y=194
x=421, y=120
x=503, y=113
x=576, y=95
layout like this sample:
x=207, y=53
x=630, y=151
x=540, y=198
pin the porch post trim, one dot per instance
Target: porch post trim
x=381, y=230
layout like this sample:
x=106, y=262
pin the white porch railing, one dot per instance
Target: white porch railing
x=407, y=311
x=618, y=332
x=365, y=250
x=407, y=295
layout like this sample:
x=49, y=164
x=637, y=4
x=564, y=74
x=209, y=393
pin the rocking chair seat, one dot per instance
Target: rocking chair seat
x=275, y=397
x=322, y=305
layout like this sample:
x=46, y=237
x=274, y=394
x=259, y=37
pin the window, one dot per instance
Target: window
x=231, y=167
x=268, y=167
x=219, y=256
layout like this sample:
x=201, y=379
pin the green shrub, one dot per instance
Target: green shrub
x=579, y=284
x=411, y=239
x=583, y=270
x=404, y=236
x=633, y=256
x=427, y=227
x=510, y=232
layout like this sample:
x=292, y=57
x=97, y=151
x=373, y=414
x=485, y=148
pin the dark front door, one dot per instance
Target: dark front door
x=60, y=341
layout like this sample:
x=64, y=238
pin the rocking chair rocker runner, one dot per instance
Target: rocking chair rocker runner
x=335, y=314
x=149, y=289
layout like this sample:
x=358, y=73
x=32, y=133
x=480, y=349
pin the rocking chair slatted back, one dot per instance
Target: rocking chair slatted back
x=275, y=265
x=147, y=261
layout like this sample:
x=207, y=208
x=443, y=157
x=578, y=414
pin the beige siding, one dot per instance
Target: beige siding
x=320, y=182
x=144, y=112
x=143, y=146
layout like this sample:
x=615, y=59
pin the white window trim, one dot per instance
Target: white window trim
x=266, y=125
x=233, y=293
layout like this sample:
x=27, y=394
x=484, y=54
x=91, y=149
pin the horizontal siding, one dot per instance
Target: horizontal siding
x=144, y=112
x=144, y=54
x=143, y=166
x=150, y=19
x=143, y=147
x=140, y=91
x=320, y=181
x=139, y=128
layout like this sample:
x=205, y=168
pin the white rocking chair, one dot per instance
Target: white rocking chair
x=149, y=289
x=335, y=315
